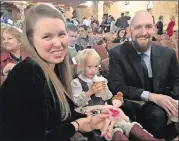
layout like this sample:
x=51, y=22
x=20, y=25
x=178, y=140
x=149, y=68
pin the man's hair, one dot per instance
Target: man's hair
x=84, y=26
x=122, y=14
x=72, y=27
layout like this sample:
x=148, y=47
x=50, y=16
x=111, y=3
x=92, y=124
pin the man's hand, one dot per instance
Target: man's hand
x=165, y=102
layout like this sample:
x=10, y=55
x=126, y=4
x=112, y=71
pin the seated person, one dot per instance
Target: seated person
x=85, y=39
x=11, y=41
x=120, y=36
x=103, y=42
x=85, y=92
x=72, y=36
x=35, y=100
x=145, y=71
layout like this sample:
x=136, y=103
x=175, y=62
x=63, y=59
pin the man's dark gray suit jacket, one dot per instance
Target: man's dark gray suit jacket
x=126, y=75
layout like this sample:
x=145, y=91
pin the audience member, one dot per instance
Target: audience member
x=13, y=54
x=85, y=22
x=35, y=100
x=160, y=25
x=112, y=26
x=84, y=39
x=170, y=27
x=149, y=72
x=75, y=20
x=103, y=42
x=120, y=36
x=83, y=88
x=72, y=36
x=122, y=21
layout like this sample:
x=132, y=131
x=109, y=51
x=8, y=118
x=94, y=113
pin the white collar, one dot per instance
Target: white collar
x=72, y=47
x=148, y=52
x=84, y=78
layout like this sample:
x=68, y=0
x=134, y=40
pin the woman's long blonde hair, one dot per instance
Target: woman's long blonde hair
x=62, y=87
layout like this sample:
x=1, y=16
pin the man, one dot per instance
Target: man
x=85, y=40
x=122, y=21
x=75, y=21
x=148, y=72
x=72, y=36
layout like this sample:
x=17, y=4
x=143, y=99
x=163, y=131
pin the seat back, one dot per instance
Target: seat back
x=175, y=41
x=111, y=45
x=157, y=37
x=168, y=43
x=101, y=51
x=156, y=42
x=165, y=37
x=105, y=67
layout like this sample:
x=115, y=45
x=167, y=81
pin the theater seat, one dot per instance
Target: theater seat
x=105, y=67
x=156, y=43
x=157, y=37
x=168, y=43
x=111, y=45
x=164, y=37
x=101, y=51
x=175, y=41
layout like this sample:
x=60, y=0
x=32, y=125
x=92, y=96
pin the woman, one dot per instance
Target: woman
x=170, y=27
x=112, y=26
x=35, y=99
x=11, y=41
x=120, y=36
x=103, y=42
x=160, y=25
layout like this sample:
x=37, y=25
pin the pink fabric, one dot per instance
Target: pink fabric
x=6, y=58
x=170, y=28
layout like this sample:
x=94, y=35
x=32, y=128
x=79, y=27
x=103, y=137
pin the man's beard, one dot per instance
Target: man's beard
x=140, y=48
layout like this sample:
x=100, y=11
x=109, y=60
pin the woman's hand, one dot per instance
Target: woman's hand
x=8, y=68
x=114, y=116
x=105, y=120
x=92, y=122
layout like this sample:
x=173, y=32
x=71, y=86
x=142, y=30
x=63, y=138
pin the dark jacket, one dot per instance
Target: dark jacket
x=28, y=110
x=159, y=27
x=126, y=75
x=122, y=21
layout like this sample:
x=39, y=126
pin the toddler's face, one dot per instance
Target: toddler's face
x=91, y=68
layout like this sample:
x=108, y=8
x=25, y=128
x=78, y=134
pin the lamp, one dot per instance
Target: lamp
x=149, y=5
x=86, y=4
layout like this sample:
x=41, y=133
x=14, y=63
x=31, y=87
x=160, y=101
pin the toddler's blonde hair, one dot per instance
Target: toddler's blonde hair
x=85, y=54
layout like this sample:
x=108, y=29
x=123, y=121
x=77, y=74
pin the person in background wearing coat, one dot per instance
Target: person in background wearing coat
x=13, y=54
x=170, y=27
x=160, y=25
x=72, y=31
x=144, y=71
x=35, y=99
x=120, y=36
